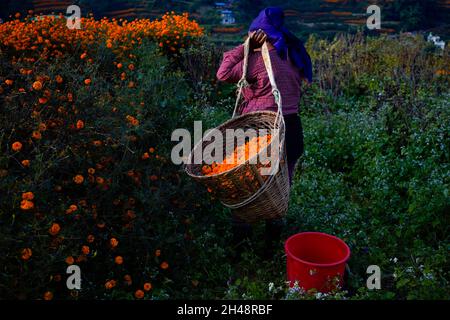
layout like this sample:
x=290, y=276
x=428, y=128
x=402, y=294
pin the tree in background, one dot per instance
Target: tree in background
x=414, y=14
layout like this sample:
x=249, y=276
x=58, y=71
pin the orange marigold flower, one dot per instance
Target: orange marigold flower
x=37, y=135
x=139, y=294
x=90, y=238
x=119, y=66
x=80, y=124
x=85, y=250
x=26, y=163
x=118, y=260
x=26, y=205
x=87, y=81
x=42, y=126
x=16, y=146
x=54, y=229
x=91, y=170
x=48, y=295
x=70, y=260
x=59, y=79
x=43, y=100
x=71, y=209
x=83, y=55
x=28, y=196
x=152, y=150
x=78, y=179
x=97, y=143
x=110, y=284
x=100, y=180
x=164, y=265
x=131, y=67
x=9, y=82
x=147, y=286
x=145, y=156
x=26, y=254
x=157, y=253
x=127, y=279
x=114, y=242
x=37, y=85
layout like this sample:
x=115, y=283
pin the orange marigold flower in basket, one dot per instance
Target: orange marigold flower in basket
x=16, y=146
x=114, y=242
x=59, y=79
x=85, y=250
x=78, y=179
x=36, y=135
x=26, y=205
x=54, y=229
x=147, y=286
x=70, y=260
x=87, y=81
x=26, y=254
x=26, y=163
x=37, y=85
x=139, y=294
x=48, y=295
x=28, y=196
x=118, y=260
x=110, y=284
x=164, y=265
x=80, y=124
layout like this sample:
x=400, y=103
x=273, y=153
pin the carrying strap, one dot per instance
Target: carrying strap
x=242, y=83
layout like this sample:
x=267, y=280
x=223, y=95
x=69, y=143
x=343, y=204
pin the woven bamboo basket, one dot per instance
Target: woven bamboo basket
x=251, y=195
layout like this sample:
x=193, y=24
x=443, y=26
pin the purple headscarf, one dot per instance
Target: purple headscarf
x=271, y=21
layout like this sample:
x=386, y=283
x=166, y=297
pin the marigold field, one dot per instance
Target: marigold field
x=86, y=178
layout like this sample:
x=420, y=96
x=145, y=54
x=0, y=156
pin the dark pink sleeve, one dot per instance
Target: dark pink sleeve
x=231, y=68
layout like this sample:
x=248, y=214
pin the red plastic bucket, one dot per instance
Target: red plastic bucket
x=316, y=260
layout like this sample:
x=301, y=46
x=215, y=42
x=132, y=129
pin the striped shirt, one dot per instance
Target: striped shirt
x=258, y=96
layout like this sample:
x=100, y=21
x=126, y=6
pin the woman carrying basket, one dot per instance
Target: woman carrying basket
x=291, y=65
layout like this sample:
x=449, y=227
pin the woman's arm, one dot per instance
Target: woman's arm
x=231, y=68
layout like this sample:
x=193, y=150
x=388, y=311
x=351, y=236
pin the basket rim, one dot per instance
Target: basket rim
x=250, y=114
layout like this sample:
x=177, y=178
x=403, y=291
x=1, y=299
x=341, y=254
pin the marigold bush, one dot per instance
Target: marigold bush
x=84, y=178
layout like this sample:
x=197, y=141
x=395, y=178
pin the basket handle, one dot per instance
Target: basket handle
x=242, y=83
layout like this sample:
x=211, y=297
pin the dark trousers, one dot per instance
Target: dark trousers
x=274, y=227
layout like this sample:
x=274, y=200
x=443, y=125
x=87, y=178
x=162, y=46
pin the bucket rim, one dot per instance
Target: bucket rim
x=314, y=264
